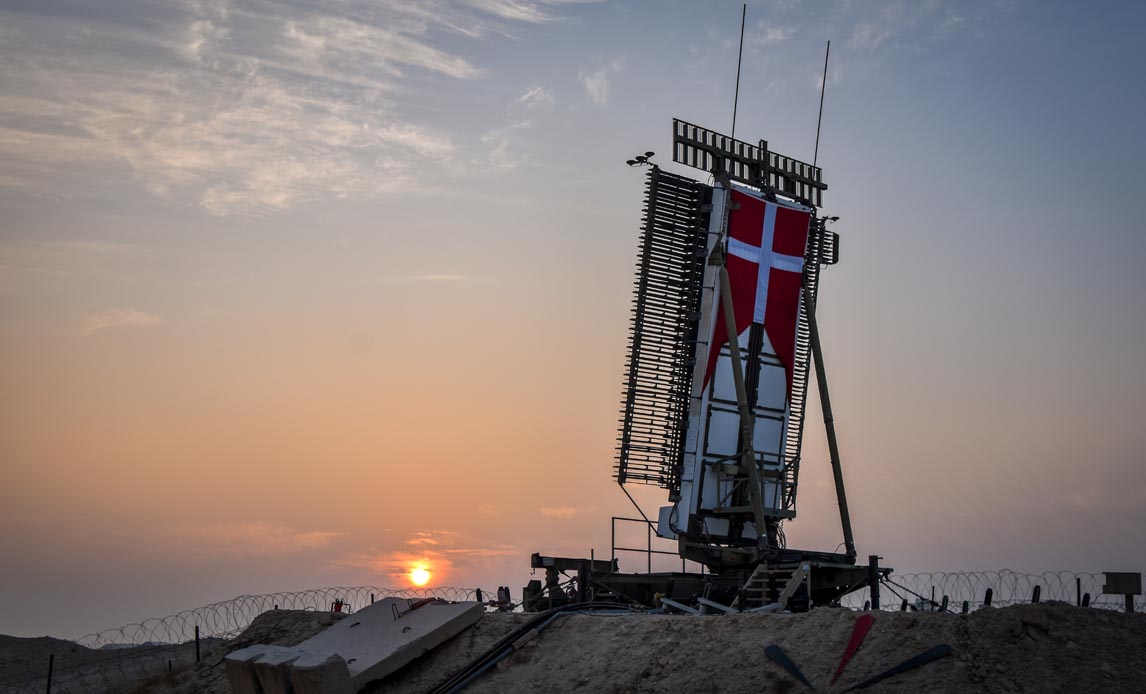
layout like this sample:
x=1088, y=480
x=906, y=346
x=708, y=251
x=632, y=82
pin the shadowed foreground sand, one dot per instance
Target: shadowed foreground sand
x=1030, y=648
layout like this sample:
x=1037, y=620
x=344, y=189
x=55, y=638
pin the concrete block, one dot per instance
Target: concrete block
x=273, y=668
x=379, y=639
x=367, y=645
x=240, y=668
x=321, y=673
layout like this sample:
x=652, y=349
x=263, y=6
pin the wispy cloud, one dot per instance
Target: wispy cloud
x=114, y=318
x=596, y=82
x=566, y=512
x=501, y=155
x=764, y=33
x=240, y=107
x=495, y=510
x=432, y=538
x=254, y=539
x=869, y=35
x=905, y=23
x=537, y=97
x=516, y=10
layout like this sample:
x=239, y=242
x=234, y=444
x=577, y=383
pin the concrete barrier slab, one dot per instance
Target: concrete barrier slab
x=273, y=668
x=240, y=668
x=366, y=646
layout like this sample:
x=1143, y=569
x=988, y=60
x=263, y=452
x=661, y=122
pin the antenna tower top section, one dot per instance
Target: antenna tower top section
x=749, y=164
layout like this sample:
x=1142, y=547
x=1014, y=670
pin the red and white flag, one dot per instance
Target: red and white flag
x=765, y=261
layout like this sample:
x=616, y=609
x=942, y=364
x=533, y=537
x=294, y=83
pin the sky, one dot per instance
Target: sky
x=299, y=294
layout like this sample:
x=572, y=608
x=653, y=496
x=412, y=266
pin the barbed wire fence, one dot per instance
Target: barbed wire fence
x=117, y=659
x=928, y=591
x=227, y=618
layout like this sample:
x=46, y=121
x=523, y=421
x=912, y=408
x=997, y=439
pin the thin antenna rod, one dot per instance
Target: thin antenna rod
x=820, y=119
x=739, y=58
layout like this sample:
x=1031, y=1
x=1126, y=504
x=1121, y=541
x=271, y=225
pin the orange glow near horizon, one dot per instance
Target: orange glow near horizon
x=420, y=575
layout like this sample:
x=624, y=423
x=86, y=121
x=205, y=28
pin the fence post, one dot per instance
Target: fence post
x=987, y=597
x=1086, y=599
x=1038, y=592
x=196, y=643
x=1078, y=590
x=943, y=607
x=873, y=579
x=966, y=607
x=903, y=605
x=612, y=540
x=51, y=666
x=649, y=535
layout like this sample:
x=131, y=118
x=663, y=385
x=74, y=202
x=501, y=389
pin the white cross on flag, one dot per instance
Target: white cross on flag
x=765, y=261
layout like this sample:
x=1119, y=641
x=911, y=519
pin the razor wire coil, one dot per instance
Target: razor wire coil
x=151, y=647
x=1007, y=587
x=124, y=657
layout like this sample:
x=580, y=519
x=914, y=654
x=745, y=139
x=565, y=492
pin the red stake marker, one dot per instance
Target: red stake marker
x=863, y=624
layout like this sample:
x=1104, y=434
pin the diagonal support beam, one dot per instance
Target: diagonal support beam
x=829, y=424
x=747, y=457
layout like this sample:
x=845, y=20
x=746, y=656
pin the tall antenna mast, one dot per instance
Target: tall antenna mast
x=739, y=58
x=820, y=119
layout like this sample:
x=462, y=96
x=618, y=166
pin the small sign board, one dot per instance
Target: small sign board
x=1122, y=583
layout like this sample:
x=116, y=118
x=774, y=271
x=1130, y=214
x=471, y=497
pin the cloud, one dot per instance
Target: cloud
x=255, y=539
x=418, y=140
x=765, y=34
x=439, y=551
x=495, y=510
x=241, y=107
x=596, y=86
x=835, y=76
x=424, y=539
x=1093, y=499
x=902, y=23
x=537, y=97
x=869, y=35
x=502, y=142
x=596, y=83
x=565, y=512
x=949, y=25
x=114, y=318
x=513, y=9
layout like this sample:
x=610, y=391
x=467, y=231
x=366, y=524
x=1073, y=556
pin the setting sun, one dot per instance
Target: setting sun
x=419, y=576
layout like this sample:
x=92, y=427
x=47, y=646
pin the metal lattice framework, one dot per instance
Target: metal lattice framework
x=662, y=333
x=774, y=174
x=749, y=164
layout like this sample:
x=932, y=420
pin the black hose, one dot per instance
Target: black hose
x=487, y=658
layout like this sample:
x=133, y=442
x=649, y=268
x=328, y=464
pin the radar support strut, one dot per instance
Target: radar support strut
x=747, y=458
x=829, y=425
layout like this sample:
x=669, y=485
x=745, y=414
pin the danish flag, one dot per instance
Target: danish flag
x=765, y=262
